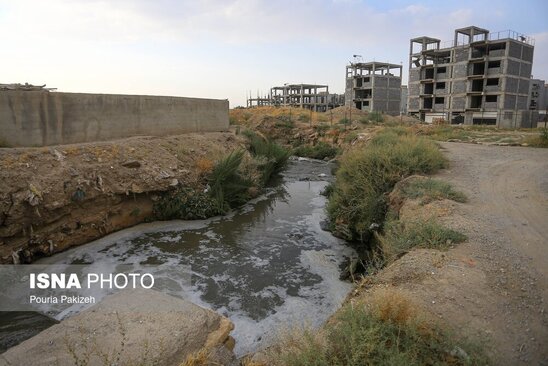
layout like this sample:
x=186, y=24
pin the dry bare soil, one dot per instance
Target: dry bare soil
x=495, y=285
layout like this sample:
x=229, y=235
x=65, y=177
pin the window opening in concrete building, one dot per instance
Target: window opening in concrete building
x=475, y=101
x=363, y=94
x=478, y=68
x=484, y=121
x=428, y=103
x=491, y=98
x=457, y=118
x=493, y=64
x=492, y=81
x=429, y=88
x=429, y=73
x=439, y=100
x=497, y=49
x=442, y=70
x=479, y=51
x=477, y=85
x=440, y=85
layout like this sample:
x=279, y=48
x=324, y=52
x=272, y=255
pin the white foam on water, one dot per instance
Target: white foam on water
x=319, y=255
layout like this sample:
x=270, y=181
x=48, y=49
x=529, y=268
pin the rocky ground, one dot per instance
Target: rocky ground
x=494, y=286
x=52, y=198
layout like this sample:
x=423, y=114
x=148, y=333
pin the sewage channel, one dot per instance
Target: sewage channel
x=267, y=266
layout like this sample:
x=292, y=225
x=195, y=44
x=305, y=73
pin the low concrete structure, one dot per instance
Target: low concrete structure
x=133, y=327
x=42, y=118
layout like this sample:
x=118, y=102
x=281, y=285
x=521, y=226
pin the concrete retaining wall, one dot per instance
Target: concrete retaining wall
x=39, y=118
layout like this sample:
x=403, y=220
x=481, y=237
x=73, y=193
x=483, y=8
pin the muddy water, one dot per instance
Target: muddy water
x=265, y=266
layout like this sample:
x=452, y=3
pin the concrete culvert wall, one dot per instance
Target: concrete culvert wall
x=40, y=118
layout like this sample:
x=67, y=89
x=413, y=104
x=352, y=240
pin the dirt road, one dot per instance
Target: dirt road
x=506, y=220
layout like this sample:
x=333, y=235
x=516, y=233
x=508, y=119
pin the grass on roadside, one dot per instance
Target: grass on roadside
x=388, y=330
x=430, y=189
x=541, y=140
x=447, y=132
x=399, y=237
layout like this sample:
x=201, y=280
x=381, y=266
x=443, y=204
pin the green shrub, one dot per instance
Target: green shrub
x=284, y=122
x=319, y=151
x=367, y=173
x=273, y=156
x=364, y=120
x=375, y=117
x=321, y=128
x=386, y=334
x=304, y=117
x=400, y=237
x=186, y=204
x=350, y=137
x=344, y=121
x=227, y=186
x=431, y=189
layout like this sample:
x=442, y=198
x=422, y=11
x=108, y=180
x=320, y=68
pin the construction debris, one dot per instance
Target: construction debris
x=25, y=87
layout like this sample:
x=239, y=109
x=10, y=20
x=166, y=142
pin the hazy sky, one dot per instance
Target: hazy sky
x=223, y=49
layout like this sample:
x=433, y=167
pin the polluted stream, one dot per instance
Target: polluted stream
x=267, y=266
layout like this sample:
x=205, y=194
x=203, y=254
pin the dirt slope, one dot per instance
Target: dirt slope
x=494, y=286
x=52, y=198
x=508, y=213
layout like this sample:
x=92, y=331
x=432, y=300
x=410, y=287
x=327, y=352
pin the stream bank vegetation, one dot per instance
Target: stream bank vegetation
x=229, y=183
x=358, y=203
x=386, y=329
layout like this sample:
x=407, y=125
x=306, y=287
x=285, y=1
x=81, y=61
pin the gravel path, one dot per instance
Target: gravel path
x=506, y=220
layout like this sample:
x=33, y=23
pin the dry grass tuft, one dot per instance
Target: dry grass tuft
x=205, y=165
x=200, y=358
x=392, y=306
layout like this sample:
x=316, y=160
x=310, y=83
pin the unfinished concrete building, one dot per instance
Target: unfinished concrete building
x=478, y=78
x=538, y=100
x=309, y=96
x=403, y=103
x=259, y=102
x=374, y=86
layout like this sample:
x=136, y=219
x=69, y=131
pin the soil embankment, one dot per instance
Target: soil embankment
x=52, y=198
x=493, y=286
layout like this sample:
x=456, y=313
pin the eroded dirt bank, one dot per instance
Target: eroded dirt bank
x=494, y=286
x=56, y=197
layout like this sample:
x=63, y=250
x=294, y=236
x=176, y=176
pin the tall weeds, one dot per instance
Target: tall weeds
x=358, y=203
x=228, y=187
x=271, y=156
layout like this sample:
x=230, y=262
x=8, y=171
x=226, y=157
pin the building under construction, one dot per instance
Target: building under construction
x=308, y=96
x=374, y=86
x=478, y=78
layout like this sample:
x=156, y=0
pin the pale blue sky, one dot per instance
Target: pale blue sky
x=223, y=49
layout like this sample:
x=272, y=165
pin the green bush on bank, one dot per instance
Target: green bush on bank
x=229, y=183
x=366, y=174
x=186, y=204
x=319, y=151
x=271, y=156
